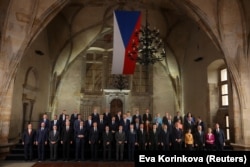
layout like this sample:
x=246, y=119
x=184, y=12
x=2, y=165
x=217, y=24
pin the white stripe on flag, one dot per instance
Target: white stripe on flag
x=118, y=51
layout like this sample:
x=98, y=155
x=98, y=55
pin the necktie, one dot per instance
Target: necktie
x=29, y=132
x=54, y=133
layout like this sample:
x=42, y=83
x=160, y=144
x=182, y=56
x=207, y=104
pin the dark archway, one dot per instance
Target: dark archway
x=115, y=106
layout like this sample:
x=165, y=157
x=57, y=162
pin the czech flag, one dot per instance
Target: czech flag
x=126, y=23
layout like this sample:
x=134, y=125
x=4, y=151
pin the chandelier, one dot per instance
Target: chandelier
x=120, y=82
x=149, y=49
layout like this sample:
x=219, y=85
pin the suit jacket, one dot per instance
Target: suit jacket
x=141, y=137
x=47, y=123
x=107, y=117
x=219, y=137
x=131, y=137
x=178, y=118
x=199, y=138
x=136, y=116
x=125, y=124
x=145, y=117
x=29, y=138
x=101, y=126
x=113, y=126
x=42, y=135
x=165, y=137
x=54, y=137
x=176, y=134
x=94, y=136
x=67, y=136
x=107, y=137
x=95, y=117
x=154, y=137
x=79, y=131
x=120, y=137
x=57, y=124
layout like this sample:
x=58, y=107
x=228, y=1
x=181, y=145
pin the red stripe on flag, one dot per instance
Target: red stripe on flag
x=129, y=64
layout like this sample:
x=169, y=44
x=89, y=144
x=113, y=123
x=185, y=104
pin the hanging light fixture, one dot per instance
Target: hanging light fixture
x=150, y=48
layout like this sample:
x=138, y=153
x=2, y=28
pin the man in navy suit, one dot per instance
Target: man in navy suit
x=55, y=122
x=94, y=140
x=107, y=116
x=132, y=141
x=177, y=137
x=141, y=138
x=199, y=138
x=137, y=115
x=46, y=121
x=95, y=116
x=28, y=142
x=165, y=138
x=219, y=138
x=41, y=141
x=80, y=136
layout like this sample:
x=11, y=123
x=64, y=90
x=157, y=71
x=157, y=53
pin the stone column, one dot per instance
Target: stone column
x=5, y=115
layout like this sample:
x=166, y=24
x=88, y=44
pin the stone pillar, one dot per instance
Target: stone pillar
x=5, y=114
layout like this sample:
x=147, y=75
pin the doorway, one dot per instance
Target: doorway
x=115, y=106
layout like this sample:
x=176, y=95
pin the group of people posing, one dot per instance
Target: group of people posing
x=120, y=134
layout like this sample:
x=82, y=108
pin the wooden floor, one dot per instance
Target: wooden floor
x=85, y=164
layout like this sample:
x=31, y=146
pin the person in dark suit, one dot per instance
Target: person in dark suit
x=28, y=139
x=66, y=140
x=165, y=118
x=154, y=138
x=147, y=116
x=118, y=117
x=177, y=137
x=73, y=117
x=101, y=124
x=95, y=115
x=46, y=121
x=80, y=136
x=41, y=141
x=132, y=142
x=107, y=116
x=199, y=139
x=113, y=127
x=120, y=140
x=142, y=138
x=219, y=138
x=137, y=115
x=189, y=124
x=178, y=117
x=77, y=122
x=94, y=141
x=200, y=123
x=107, y=139
x=125, y=123
x=54, y=138
x=62, y=117
x=165, y=138
x=55, y=122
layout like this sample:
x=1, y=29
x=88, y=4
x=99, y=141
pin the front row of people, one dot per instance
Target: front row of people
x=157, y=139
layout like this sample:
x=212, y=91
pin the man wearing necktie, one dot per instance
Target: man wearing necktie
x=28, y=142
x=80, y=136
x=54, y=138
x=132, y=142
x=120, y=140
x=154, y=138
x=93, y=141
x=107, y=138
x=165, y=138
x=66, y=140
x=219, y=138
x=199, y=139
x=41, y=141
x=142, y=138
